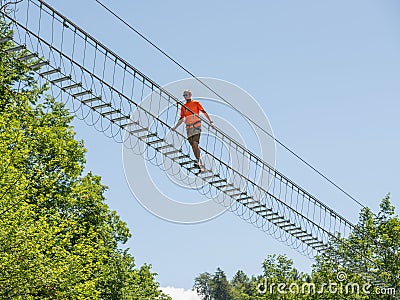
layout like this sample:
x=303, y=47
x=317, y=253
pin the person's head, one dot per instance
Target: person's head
x=187, y=94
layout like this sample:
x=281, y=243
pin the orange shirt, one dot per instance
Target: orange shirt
x=191, y=114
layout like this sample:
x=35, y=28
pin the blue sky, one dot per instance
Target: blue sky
x=327, y=74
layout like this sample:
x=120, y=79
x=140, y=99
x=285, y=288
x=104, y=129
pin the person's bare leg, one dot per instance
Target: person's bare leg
x=196, y=151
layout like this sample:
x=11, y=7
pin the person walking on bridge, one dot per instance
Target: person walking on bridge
x=190, y=113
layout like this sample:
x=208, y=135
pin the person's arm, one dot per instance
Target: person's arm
x=182, y=116
x=178, y=124
x=208, y=118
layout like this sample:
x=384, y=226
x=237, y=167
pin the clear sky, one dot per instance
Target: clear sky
x=327, y=74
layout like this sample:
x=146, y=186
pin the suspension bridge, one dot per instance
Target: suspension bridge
x=107, y=92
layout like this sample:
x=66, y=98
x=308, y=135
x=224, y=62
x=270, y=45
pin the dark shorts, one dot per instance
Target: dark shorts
x=193, y=134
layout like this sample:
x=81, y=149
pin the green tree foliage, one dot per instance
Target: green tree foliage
x=241, y=286
x=203, y=285
x=58, y=238
x=221, y=288
x=215, y=287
